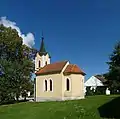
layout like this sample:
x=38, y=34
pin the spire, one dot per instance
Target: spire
x=42, y=48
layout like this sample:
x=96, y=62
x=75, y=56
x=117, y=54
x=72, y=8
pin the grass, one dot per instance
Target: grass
x=93, y=107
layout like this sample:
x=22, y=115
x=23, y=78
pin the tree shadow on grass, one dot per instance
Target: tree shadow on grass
x=13, y=102
x=110, y=109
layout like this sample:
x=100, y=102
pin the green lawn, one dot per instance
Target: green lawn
x=94, y=107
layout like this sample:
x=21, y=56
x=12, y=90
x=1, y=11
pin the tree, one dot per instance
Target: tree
x=16, y=64
x=10, y=44
x=113, y=75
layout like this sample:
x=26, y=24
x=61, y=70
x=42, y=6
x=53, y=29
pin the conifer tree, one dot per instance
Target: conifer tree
x=113, y=75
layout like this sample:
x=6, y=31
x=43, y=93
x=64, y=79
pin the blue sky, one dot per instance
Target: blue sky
x=82, y=31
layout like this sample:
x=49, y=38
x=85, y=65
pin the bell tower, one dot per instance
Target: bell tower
x=42, y=57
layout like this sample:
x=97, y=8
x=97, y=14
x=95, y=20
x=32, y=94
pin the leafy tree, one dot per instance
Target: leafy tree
x=16, y=65
x=10, y=44
x=113, y=75
x=6, y=82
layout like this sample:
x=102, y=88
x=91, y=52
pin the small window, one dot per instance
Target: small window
x=67, y=84
x=39, y=63
x=45, y=85
x=51, y=85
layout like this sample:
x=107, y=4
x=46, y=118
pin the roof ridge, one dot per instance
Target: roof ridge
x=55, y=63
x=60, y=61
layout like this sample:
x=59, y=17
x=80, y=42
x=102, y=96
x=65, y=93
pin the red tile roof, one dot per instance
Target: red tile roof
x=57, y=68
x=52, y=68
x=73, y=69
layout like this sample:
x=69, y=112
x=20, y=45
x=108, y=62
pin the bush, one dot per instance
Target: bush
x=6, y=98
x=89, y=92
x=100, y=90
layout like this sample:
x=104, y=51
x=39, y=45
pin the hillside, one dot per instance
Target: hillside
x=94, y=107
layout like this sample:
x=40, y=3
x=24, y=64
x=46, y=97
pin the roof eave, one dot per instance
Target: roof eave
x=68, y=73
x=47, y=73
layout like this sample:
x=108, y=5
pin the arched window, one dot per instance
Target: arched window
x=39, y=63
x=68, y=84
x=45, y=85
x=51, y=85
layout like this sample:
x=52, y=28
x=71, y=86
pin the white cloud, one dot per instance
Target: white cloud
x=28, y=39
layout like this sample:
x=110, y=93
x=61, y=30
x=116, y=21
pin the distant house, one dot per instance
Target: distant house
x=95, y=81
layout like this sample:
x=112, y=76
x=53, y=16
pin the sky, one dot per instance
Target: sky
x=81, y=31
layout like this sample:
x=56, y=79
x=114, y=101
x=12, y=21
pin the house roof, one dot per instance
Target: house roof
x=52, y=68
x=73, y=69
x=101, y=78
x=94, y=82
x=57, y=68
